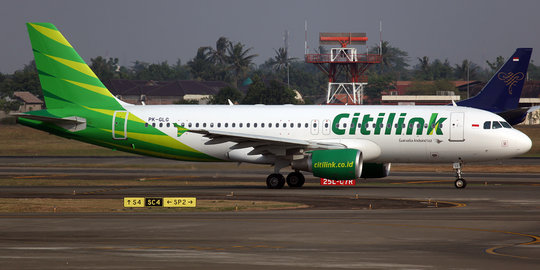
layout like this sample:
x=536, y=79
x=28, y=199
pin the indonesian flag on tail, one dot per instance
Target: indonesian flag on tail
x=515, y=59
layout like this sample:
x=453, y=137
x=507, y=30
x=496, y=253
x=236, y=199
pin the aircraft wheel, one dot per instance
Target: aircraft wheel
x=295, y=179
x=275, y=181
x=460, y=183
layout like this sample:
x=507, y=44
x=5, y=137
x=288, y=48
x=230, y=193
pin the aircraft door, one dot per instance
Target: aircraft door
x=457, y=127
x=314, y=127
x=119, y=125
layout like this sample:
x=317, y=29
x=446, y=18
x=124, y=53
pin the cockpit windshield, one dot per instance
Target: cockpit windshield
x=496, y=125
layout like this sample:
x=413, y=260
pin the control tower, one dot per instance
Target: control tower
x=344, y=61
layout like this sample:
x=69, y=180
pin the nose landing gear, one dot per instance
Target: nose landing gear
x=460, y=182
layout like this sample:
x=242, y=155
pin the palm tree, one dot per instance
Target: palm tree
x=281, y=61
x=239, y=60
x=218, y=56
x=200, y=65
x=466, y=70
x=392, y=59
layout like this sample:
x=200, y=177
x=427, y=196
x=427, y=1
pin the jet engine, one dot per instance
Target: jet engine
x=336, y=164
x=375, y=170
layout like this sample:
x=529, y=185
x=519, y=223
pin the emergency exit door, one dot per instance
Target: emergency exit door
x=119, y=125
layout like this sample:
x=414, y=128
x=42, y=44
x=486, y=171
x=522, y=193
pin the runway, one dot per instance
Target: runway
x=492, y=224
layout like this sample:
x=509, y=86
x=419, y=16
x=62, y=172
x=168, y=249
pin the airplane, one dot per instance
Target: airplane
x=333, y=142
x=502, y=92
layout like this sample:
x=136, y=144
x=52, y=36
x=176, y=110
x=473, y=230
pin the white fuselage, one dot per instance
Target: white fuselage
x=382, y=133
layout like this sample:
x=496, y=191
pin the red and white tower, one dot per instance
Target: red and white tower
x=345, y=61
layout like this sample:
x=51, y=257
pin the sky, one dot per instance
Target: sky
x=166, y=30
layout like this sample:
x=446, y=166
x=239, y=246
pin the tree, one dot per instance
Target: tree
x=430, y=87
x=226, y=94
x=496, y=65
x=282, y=61
x=423, y=70
x=26, y=79
x=393, y=60
x=377, y=84
x=201, y=67
x=239, y=60
x=466, y=71
x=105, y=69
x=272, y=94
x=441, y=70
x=218, y=56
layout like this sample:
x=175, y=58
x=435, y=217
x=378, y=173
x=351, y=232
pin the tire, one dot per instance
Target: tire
x=460, y=183
x=295, y=179
x=275, y=181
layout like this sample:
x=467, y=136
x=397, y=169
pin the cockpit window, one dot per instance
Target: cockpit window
x=505, y=124
x=496, y=125
x=487, y=125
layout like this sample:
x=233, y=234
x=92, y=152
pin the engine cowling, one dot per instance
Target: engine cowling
x=336, y=164
x=375, y=170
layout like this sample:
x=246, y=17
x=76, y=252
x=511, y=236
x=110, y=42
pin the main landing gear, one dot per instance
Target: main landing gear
x=460, y=182
x=294, y=180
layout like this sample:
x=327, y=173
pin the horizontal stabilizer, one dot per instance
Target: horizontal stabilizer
x=72, y=123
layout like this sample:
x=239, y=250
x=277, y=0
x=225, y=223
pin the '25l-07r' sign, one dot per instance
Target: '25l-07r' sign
x=329, y=182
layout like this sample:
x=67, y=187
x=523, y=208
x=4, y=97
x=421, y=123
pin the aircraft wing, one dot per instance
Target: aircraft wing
x=264, y=144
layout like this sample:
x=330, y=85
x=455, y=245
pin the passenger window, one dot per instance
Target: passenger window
x=233, y=125
x=292, y=125
x=189, y=125
x=168, y=124
x=218, y=125
x=197, y=125
x=269, y=125
x=254, y=125
x=284, y=125
x=325, y=125
x=204, y=125
x=496, y=125
x=239, y=124
x=211, y=125
x=314, y=125
x=226, y=125
x=160, y=124
x=262, y=125
x=299, y=125
x=307, y=125
x=247, y=125
x=145, y=124
x=505, y=124
x=153, y=124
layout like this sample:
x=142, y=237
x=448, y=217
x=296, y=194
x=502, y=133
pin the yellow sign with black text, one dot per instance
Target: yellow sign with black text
x=131, y=202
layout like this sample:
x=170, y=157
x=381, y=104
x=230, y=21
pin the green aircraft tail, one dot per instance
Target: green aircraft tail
x=66, y=80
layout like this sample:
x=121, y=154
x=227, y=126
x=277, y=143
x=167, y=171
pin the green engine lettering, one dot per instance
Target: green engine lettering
x=336, y=164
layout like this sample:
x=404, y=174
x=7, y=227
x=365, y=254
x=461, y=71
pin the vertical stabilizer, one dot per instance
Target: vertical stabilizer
x=503, y=90
x=65, y=78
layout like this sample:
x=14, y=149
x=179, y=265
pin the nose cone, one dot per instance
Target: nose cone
x=522, y=143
